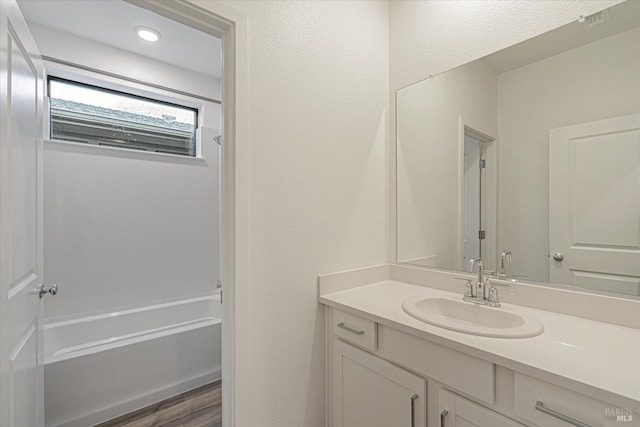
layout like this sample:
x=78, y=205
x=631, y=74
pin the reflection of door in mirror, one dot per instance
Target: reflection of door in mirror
x=474, y=198
x=594, y=205
x=477, y=197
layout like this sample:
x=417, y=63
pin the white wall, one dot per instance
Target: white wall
x=61, y=45
x=428, y=155
x=430, y=37
x=588, y=83
x=126, y=228
x=318, y=98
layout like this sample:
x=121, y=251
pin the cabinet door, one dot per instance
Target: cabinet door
x=371, y=392
x=456, y=411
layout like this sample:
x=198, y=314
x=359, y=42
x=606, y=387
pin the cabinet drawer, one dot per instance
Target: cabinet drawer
x=467, y=374
x=355, y=329
x=545, y=404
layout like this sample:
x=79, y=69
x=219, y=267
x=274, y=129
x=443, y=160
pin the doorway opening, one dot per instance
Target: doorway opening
x=477, y=196
x=127, y=217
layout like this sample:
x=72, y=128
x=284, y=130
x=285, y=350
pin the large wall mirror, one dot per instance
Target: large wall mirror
x=529, y=158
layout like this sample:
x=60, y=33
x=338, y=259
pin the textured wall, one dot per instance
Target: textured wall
x=317, y=95
x=428, y=37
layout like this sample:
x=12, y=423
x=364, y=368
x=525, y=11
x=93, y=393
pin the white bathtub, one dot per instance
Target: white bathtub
x=100, y=367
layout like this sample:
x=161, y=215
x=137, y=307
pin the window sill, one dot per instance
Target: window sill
x=101, y=150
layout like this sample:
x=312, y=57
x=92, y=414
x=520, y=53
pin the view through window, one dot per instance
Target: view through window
x=93, y=115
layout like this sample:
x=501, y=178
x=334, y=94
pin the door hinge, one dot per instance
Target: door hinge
x=483, y=163
x=481, y=234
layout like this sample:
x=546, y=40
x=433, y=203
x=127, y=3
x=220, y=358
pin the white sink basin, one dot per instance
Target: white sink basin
x=470, y=318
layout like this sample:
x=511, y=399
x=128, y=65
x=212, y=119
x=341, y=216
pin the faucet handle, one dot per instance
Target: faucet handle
x=468, y=292
x=493, y=292
x=493, y=296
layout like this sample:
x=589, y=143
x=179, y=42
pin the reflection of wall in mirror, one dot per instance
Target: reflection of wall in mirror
x=428, y=155
x=430, y=37
x=592, y=82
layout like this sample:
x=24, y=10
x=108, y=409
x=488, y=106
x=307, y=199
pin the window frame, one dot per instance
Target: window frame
x=111, y=84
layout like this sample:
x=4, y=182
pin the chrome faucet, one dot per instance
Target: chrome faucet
x=478, y=295
x=504, y=258
x=480, y=284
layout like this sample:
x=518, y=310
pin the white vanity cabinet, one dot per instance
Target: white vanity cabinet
x=382, y=376
x=548, y=405
x=371, y=392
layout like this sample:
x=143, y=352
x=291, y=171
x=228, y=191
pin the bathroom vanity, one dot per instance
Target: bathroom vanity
x=387, y=368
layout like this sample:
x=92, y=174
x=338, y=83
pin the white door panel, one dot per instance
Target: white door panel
x=23, y=376
x=21, y=339
x=371, y=392
x=604, y=190
x=595, y=205
x=612, y=283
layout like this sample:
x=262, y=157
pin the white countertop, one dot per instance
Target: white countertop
x=594, y=358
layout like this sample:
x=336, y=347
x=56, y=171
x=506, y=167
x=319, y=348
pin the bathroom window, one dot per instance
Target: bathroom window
x=98, y=116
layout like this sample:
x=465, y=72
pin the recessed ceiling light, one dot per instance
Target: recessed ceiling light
x=148, y=34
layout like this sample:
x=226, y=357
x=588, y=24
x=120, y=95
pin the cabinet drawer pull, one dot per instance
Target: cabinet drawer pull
x=540, y=407
x=413, y=410
x=348, y=329
x=443, y=415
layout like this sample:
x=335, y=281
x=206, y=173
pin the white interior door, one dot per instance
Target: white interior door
x=472, y=157
x=594, y=205
x=21, y=254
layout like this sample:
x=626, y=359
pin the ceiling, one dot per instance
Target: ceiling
x=112, y=22
x=622, y=17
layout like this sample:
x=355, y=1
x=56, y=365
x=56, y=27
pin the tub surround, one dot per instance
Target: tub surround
x=102, y=366
x=593, y=358
x=87, y=335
